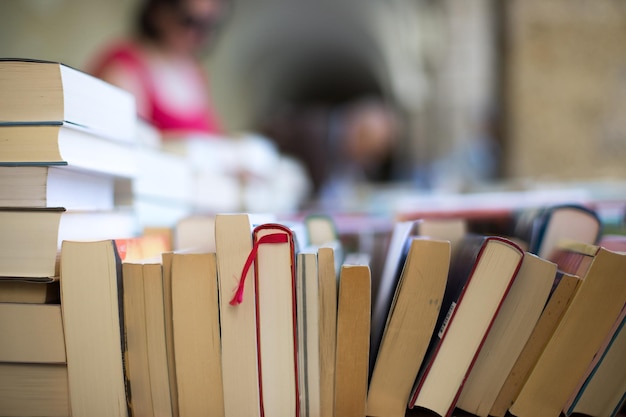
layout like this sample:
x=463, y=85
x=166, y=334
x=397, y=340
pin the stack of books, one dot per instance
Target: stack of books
x=66, y=143
x=66, y=157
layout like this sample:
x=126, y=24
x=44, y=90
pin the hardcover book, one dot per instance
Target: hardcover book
x=481, y=274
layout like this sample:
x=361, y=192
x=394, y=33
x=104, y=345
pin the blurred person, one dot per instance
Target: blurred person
x=364, y=137
x=341, y=146
x=159, y=62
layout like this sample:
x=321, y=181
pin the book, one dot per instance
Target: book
x=450, y=229
x=153, y=285
x=592, y=312
x=56, y=186
x=31, y=333
x=453, y=229
x=233, y=243
x=65, y=144
x=544, y=227
x=25, y=291
x=353, y=329
x=602, y=391
x=317, y=337
x=166, y=261
x=275, y=282
x=144, y=319
x=328, y=276
x=33, y=236
x=320, y=228
x=119, y=223
x=614, y=242
x=308, y=325
x=384, y=286
x=509, y=333
x=29, y=248
x=197, y=350
x=410, y=322
x=482, y=271
x=574, y=257
x=37, y=91
x=93, y=322
x=195, y=232
x=34, y=389
x=136, y=354
x=559, y=300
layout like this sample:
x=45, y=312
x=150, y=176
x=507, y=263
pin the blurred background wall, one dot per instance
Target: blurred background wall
x=566, y=88
x=540, y=85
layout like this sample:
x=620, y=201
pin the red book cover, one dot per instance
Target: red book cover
x=273, y=256
x=482, y=271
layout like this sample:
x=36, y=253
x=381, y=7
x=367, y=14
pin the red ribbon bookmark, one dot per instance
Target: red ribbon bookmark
x=271, y=238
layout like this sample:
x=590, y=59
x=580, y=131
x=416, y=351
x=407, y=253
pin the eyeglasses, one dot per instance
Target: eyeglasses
x=200, y=24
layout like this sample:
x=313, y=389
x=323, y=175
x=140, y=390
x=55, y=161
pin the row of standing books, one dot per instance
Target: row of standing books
x=457, y=322
x=525, y=343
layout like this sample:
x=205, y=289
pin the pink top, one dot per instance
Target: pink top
x=179, y=105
